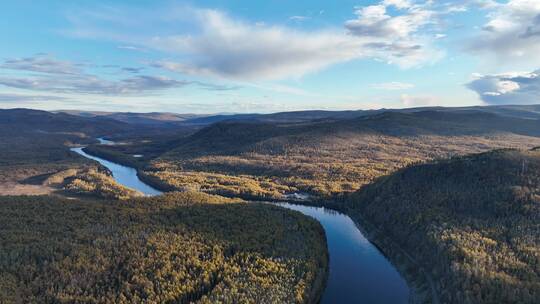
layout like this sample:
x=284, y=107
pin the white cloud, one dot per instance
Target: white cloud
x=88, y=84
x=62, y=76
x=210, y=42
x=374, y=21
x=392, y=86
x=402, y=35
x=507, y=88
x=299, y=18
x=234, y=49
x=43, y=64
x=419, y=100
x=512, y=32
x=400, y=4
x=7, y=98
x=485, y=4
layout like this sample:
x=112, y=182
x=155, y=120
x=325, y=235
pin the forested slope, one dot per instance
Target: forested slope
x=35, y=144
x=329, y=157
x=177, y=248
x=472, y=222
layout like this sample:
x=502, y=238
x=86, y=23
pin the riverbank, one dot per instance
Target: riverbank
x=358, y=283
x=420, y=282
x=384, y=246
x=315, y=290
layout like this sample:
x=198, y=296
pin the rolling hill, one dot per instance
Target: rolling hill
x=34, y=143
x=15, y=121
x=177, y=248
x=471, y=222
x=328, y=157
x=194, y=120
x=153, y=118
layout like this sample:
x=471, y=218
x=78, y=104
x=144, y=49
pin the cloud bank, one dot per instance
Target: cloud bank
x=508, y=88
x=60, y=76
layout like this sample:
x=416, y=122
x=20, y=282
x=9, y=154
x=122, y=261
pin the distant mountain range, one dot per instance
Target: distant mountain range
x=157, y=118
x=260, y=134
x=16, y=121
x=516, y=119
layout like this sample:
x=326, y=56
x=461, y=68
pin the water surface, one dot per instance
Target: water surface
x=126, y=176
x=359, y=272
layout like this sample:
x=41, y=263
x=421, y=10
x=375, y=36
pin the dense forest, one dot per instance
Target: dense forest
x=471, y=222
x=91, y=182
x=464, y=228
x=177, y=248
x=323, y=158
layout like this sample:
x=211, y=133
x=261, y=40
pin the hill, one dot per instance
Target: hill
x=156, y=118
x=35, y=143
x=471, y=222
x=153, y=118
x=177, y=248
x=15, y=121
x=328, y=157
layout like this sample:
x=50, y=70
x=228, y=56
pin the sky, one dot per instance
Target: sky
x=235, y=56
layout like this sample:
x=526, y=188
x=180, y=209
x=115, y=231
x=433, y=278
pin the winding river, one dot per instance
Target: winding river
x=123, y=175
x=359, y=272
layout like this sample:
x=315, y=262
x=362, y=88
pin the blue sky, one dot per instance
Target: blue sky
x=267, y=56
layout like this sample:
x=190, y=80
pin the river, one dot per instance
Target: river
x=123, y=175
x=358, y=271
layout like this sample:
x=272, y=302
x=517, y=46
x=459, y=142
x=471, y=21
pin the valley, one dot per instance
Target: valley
x=270, y=152
x=347, y=249
x=431, y=188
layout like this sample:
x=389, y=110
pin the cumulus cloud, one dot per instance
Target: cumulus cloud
x=375, y=21
x=512, y=31
x=508, y=88
x=392, y=86
x=234, y=49
x=211, y=42
x=401, y=37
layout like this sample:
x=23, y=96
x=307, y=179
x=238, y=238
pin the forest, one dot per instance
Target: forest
x=456, y=219
x=177, y=248
x=323, y=158
x=470, y=222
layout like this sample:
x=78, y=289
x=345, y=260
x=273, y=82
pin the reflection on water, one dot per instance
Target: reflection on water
x=123, y=175
x=359, y=272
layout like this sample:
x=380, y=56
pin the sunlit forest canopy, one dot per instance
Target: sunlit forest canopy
x=471, y=222
x=182, y=248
